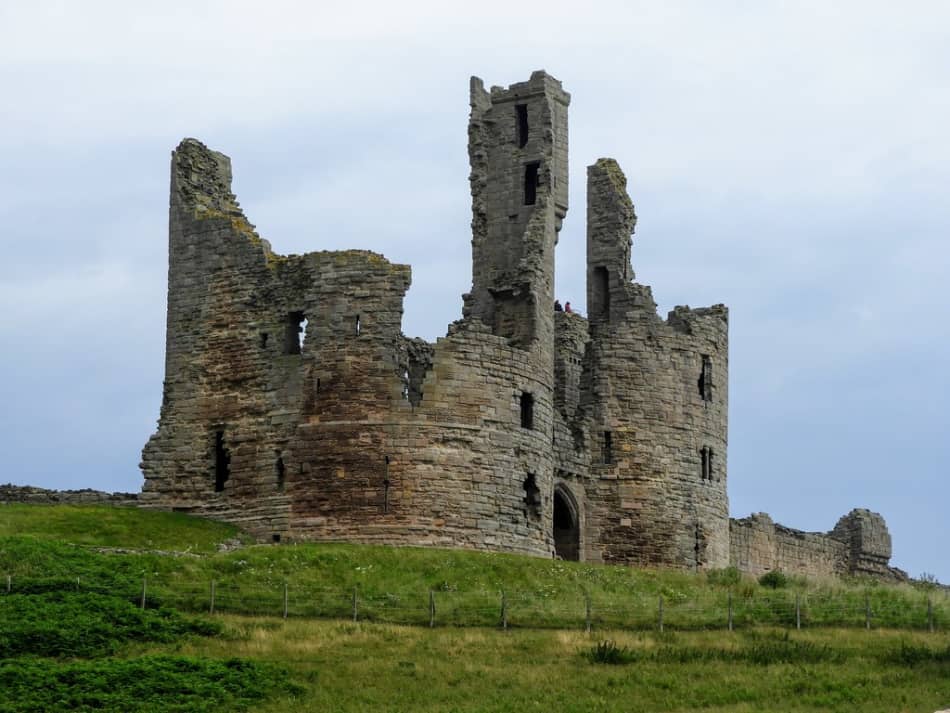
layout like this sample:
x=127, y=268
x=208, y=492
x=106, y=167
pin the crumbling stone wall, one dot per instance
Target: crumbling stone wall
x=858, y=544
x=656, y=405
x=294, y=406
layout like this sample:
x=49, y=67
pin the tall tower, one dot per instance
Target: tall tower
x=518, y=154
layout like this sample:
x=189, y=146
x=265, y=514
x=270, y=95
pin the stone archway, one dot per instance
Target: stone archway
x=567, y=531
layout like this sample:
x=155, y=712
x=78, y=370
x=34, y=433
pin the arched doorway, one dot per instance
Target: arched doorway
x=567, y=534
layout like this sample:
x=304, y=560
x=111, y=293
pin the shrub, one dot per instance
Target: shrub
x=65, y=623
x=775, y=579
x=171, y=684
x=608, y=652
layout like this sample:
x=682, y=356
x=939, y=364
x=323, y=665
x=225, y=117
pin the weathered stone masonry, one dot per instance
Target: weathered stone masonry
x=294, y=406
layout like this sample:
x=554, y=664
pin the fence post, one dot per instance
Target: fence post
x=867, y=611
x=211, y=608
x=431, y=609
x=660, y=615
x=144, y=589
x=504, y=611
x=930, y=614
x=798, y=611
x=587, y=613
x=286, y=598
x=355, y=606
x=730, y=611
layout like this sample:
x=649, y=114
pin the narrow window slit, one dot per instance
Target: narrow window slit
x=607, y=451
x=222, y=462
x=295, y=327
x=527, y=410
x=358, y=327
x=531, y=177
x=706, y=457
x=386, y=484
x=532, y=497
x=705, y=379
x=279, y=467
x=521, y=112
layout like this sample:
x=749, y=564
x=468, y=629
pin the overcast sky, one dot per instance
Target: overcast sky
x=789, y=159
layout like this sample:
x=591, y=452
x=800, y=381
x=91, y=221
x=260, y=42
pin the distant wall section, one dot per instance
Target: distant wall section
x=859, y=544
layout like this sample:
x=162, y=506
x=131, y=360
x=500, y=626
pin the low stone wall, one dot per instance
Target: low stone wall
x=10, y=493
x=859, y=544
x=758, y=545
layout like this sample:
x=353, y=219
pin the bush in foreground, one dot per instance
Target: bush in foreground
x=167, y=684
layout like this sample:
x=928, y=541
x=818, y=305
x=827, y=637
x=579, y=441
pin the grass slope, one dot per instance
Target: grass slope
x=394, y=584
x=159, y=660
x=107, y=526
x=345, y=667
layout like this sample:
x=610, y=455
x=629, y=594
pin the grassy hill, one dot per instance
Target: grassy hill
x=75, y=600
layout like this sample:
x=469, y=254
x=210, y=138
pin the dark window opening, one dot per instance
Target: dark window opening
x=706, y=457
x=222, y=462
x=699, y=547
x=358, y=327
x=532, y=497
x=601, y=293
x=527, y=410
x=607, y=450
x=279, y=466
x=521, y=111
x=295, y=329
x=531, y=177
x=705, y=379
x=276, y=538
x=264, y=336
x=386, y=484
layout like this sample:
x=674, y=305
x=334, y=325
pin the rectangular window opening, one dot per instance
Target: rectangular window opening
x=706, y=457
x=601, y=293
x=527, y=410
x=521, y=112
x=279, y=467
x=532, y=497
x=295, y=329
x=705, y=379
x=222, y=462
x=358, y=325
x=531, y=177
x=607, y=451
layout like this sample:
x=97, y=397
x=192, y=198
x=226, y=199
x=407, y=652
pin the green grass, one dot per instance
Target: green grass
x=393, y=584
x=346, y=667
x=106, y=526
x=79, y=609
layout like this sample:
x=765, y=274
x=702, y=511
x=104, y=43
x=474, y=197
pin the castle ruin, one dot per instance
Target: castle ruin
x=294, y=406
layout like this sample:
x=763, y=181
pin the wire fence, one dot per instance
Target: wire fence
x=878, y=607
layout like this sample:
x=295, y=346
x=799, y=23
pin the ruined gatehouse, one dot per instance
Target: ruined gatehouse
x=294, y=406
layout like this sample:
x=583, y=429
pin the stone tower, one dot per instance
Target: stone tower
x=657, y=403
x=518, y=154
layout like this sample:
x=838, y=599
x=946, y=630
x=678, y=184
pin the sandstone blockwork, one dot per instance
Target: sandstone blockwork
x=294, y=406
